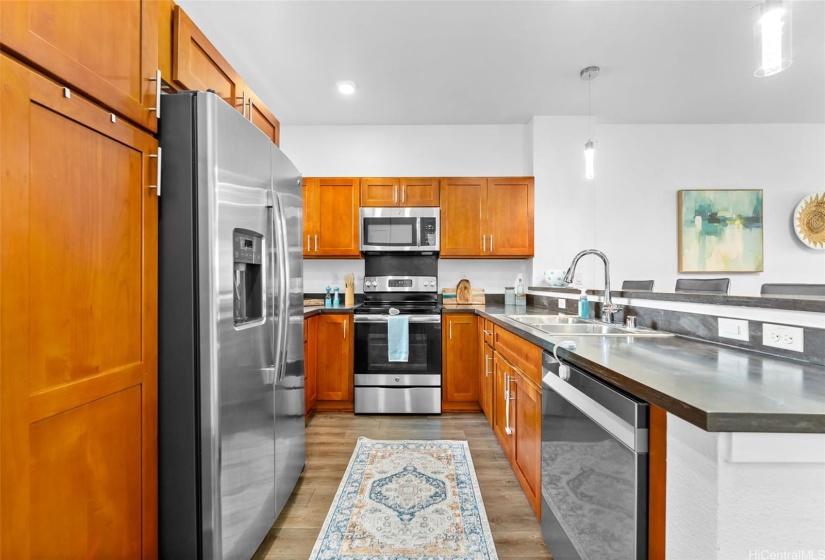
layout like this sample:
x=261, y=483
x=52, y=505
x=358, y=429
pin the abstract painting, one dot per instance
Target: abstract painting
x=720, y=231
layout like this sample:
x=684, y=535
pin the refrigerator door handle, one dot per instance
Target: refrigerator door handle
x=283, y=279
x=275, y=276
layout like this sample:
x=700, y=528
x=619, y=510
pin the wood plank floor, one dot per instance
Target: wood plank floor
x=331, y=439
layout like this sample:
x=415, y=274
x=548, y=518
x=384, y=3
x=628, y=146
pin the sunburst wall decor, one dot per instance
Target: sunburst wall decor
x=809, y=220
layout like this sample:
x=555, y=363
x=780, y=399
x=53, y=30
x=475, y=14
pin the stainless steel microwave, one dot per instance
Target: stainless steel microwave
x=400, y=229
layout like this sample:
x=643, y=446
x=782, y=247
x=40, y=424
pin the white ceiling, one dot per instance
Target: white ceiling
x=471, y=62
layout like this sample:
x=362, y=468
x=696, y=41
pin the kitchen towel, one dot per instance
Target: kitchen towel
x=398, y=338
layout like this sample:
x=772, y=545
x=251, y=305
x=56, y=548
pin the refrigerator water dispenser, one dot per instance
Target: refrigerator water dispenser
x=248, y=293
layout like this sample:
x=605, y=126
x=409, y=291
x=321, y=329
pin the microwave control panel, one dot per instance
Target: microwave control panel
x=428, y=232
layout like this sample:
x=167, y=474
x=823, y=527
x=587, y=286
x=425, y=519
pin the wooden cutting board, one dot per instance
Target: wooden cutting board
x=449, y=297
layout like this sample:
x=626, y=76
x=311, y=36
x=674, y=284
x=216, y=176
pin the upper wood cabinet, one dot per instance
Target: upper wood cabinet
x=403, y=191
x=459, y=358
x=107, y=50
x=78, y=319
x=487, y=217
x=331, y=225
x=260, y=116
x=197, y=64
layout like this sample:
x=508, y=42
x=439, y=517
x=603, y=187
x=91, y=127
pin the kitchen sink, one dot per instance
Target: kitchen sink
x=563, y=325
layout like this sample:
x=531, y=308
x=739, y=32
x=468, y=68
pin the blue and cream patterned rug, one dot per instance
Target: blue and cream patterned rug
x=404, y=500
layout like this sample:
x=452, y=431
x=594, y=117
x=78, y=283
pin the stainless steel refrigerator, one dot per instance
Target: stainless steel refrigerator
x=231, y=395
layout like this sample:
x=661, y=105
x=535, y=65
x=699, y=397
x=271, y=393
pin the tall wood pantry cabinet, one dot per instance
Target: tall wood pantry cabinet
x=78, y=307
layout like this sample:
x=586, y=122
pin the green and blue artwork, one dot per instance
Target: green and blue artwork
x=720, y=231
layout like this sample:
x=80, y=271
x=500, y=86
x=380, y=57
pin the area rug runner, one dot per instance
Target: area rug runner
x=407, y=500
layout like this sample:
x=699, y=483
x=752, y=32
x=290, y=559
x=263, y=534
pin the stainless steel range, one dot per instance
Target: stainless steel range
x=398, y=285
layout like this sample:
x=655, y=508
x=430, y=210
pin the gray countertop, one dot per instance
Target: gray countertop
x=317, y=310
x=715, y=387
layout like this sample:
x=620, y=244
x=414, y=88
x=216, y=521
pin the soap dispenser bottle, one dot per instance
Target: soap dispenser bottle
x=335, y=301
x=328, y=298
x=584, y=305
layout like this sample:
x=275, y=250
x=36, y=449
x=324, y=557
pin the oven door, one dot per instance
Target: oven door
x=384, y=387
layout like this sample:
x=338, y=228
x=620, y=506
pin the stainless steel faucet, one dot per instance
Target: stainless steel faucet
x=608, y=307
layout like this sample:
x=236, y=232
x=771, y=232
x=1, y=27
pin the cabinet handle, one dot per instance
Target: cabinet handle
x=491, y=242
x=395, y=195
x=507, y=428
x=309, y=247
x=487, y=366
x=243, y=102
x=488, y=332
x=159, y=157
x=316, y=242
x=451, y=330
x=483, y=243
x=156, y=108
x=403, y=194
x=249, y=117
x=345, y=328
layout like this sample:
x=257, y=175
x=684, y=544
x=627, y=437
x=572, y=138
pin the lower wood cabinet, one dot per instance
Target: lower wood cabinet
x=459, y=372
x=334, y=361
x=310, y=367
x=504, y=418
x=486, y=378
x=527, y=453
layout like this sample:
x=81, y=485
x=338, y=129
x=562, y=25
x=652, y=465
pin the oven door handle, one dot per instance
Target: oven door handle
x=383, y=318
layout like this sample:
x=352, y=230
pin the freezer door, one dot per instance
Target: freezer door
x=289, y=389
x=238, y=286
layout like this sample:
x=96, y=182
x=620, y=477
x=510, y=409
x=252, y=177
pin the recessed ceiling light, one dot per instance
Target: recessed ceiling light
x=346, y=87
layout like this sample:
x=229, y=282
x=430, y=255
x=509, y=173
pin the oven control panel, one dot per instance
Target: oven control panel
x=400, y=284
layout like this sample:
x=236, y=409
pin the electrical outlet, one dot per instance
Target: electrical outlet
x=334, y=277
x=733, y=328
x=562, y=303
x=781, y=336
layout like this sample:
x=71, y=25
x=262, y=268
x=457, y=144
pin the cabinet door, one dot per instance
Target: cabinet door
x=336, y=218
x=380, y=191
x=310, y=368
x=460, y=358
x=502, y=415
x=420, y=191
x=463, y=201
x=107, y=50
x=527, y=453
x=487, y=382
x=509, y=209
x=334, y=365
x=260, y=116
x=310, y=238
x=78, y=326
x=197, y=64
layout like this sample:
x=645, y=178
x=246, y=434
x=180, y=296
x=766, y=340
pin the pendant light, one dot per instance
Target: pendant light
x=589, y=74
x=772, y=32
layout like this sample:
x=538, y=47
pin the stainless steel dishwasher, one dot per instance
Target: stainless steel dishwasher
x=594, y=467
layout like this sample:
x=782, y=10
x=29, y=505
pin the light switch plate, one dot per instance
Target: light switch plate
x=782, y=336
x=736, y=329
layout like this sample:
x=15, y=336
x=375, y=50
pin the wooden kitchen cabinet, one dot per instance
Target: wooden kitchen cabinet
x=331, y=224
x=310, y=364
x=334, y=361
x=197, y=64
x=527, y=452
x=487, y=217
x=486, y=378
x=106, y=50
x=403, y=191
x=504, y=418
x=256, y=112
x=459, y=390
x=78, y=312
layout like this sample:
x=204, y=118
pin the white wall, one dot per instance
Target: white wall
x=417, y=151
x=734, y=496
x=629, y=210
